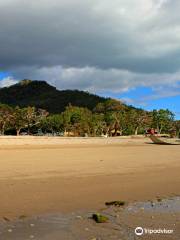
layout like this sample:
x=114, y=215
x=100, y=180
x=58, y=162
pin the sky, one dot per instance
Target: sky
x=126, y=49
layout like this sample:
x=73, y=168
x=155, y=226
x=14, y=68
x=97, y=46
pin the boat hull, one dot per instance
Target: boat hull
x=161, y=141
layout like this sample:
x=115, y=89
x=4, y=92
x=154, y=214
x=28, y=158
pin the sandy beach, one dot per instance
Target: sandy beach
x=58, y=177
x=51, y=186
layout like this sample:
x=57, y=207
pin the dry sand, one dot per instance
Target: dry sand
x=49, y=175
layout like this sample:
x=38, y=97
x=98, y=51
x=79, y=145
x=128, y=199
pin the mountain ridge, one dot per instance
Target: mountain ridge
x=43, y=95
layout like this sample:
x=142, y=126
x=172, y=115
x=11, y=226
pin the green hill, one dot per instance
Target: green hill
x=42, y=95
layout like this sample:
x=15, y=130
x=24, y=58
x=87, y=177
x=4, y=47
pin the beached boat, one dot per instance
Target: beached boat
x=164, y=141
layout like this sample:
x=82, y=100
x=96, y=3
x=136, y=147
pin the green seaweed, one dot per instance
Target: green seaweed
x=115, y=203
x=22, y=217
x=98, y=218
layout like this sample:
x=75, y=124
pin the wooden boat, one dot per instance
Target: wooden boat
x=164, y=141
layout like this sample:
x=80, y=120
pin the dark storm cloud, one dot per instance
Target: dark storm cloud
x=135, y=35
x=92, y=44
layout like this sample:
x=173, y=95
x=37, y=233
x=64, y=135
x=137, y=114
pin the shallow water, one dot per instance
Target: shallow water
x=171, y=205
x=79, y=225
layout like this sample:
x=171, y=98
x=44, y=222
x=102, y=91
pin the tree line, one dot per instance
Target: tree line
x=111, y=118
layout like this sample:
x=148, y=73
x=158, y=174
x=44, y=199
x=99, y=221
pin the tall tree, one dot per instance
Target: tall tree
x=34, y=116
x=27, y=117
x=77, y=120
x=139, y=119
x=6, y=116
x=176, y=126
x=19, y=119
x=112, y=110
x=162, y=120
x=53, y=123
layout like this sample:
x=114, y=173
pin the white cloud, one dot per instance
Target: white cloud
x=102, y=80
x=7, y=81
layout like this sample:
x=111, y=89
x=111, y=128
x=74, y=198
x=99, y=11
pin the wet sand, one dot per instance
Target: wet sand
x=38, y=178
x=160, y=215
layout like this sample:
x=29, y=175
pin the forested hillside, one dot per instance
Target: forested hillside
x=42, y=95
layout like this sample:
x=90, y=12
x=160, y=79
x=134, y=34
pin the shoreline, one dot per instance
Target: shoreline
x=160, y=215
x=42, y=141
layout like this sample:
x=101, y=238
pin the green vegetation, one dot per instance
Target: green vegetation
x=74, y=113
x=99, y=218
x=162, y=120
x=20, y=118
x=115, y=203
x=41, y=95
